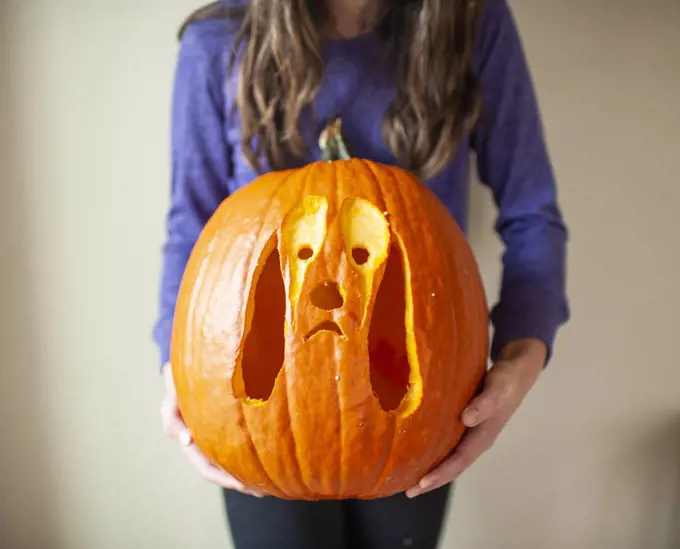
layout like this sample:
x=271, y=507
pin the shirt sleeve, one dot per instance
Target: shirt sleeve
x=513, y=161
x=201, y=163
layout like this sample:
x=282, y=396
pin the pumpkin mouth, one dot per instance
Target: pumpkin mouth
x=325, y=326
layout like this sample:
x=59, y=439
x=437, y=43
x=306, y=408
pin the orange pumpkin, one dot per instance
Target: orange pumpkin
x=330, y=327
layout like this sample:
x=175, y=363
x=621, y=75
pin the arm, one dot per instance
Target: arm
x=201, y=162
x=201, y=169
x=513, y=162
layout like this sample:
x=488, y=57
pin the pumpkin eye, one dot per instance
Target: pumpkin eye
x=360, y=255
x=305, y=253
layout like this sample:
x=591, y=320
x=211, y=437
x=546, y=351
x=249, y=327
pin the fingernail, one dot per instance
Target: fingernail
x=414, y=491
x=470, y=417
x=425, y=483
x=184, y=438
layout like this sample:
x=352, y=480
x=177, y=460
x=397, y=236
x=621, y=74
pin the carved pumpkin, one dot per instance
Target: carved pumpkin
x=330, y=328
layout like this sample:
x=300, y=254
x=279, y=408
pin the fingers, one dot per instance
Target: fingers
x=215, y=475
x=474, y=444
x=498, y=391
x=505, y=386
x=168, y=379
x=174, y=427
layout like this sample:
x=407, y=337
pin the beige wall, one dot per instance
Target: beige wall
x=592, y=461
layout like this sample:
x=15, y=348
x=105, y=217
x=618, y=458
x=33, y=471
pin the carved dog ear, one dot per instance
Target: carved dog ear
x=370, y=244
x=302, y=234
x=393, y=357
x=366, y=239
x=262, y=354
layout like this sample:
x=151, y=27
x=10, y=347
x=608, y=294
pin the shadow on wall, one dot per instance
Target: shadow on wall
x=24, y=473
x=638, y=490
x=624, y=491
x=674, y=534
x=657, y=459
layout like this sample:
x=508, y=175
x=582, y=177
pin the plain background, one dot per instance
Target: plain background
x=592, y=459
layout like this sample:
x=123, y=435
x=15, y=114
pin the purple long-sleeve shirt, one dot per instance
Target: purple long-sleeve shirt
x=512, y=160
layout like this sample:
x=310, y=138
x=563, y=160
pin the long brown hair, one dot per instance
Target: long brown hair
x=431, y=43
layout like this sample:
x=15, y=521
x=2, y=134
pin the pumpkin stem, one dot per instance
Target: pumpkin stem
x=331, y=142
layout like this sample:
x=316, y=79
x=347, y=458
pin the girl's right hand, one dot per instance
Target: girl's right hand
x=174, y=427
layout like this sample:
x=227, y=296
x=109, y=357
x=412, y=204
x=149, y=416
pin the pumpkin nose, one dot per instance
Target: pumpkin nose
x=327, y=296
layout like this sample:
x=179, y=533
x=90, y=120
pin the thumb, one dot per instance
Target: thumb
x=168, y=379
x=497, y=391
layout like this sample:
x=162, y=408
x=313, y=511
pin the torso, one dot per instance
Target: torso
x=357, y=87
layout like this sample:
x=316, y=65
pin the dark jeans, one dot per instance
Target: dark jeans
x=388, y=523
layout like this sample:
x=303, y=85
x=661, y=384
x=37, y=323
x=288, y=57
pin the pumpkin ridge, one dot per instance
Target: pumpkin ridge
x=441, y=420
x=414, y=394
x=438, y=451
x=197, y=324
x=186, y=314
x=291, y=431
x=453, y=257
x=352, y=170
x=339, y=186
x=291, y=436
x=251, y=444
x=408, y=288
x=249, y=312
x=368, y=168
x=251, y=287
x=244, y=401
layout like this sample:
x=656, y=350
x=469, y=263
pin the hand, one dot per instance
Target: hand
x=174, y=427
x=505, y=386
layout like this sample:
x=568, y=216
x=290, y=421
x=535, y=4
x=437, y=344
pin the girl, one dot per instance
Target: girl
x=420, y=83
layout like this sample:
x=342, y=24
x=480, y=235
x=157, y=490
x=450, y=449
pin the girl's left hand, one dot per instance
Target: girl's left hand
x=505, y=386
